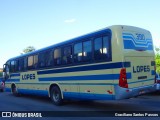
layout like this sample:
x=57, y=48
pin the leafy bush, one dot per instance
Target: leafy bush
x=157, y=60
x=1, y=74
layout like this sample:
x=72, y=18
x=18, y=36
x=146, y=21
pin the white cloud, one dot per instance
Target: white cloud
x=70, y=20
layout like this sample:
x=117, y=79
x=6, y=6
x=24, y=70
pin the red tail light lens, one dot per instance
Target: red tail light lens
x=123, y=78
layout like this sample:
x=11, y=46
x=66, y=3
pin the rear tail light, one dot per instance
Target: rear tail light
x=123, y=78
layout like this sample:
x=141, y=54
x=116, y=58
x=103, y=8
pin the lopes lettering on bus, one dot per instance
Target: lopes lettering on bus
x=144, y=68
x=28, y=77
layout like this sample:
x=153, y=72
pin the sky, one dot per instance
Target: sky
x=41, y=23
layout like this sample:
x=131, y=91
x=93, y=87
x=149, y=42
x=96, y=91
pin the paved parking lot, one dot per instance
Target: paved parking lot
x=148, y=103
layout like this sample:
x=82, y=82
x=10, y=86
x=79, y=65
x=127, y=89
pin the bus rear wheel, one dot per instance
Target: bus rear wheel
x=56, y=96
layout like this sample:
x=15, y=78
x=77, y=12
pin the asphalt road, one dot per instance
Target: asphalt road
x=148, y=102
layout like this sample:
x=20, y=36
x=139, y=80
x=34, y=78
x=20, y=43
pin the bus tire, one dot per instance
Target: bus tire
x=56, y=96
x=1, y=90
x=14, y=90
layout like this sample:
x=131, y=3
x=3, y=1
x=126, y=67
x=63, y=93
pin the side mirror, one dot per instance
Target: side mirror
x=4, y=70
x=4, y=67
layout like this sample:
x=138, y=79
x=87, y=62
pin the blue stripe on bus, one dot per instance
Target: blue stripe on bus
x=87, y=84
x=104, y=83
x=130, y=45
x=86, y=77
x=12, y=80
x=14, y=74
x=87, y=96
x=42, y=83
x=73, y=95
x=7, y=89
x=33, y=92
x=87, y=68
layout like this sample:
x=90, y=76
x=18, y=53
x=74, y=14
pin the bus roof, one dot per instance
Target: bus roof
x=76, y=39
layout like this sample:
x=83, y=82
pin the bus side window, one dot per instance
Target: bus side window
x=102, y=48
x=87, y=51
x=21, y=64
x=78, y=52
x=35, y=59
x=12, y=66
x=57, y=56
x=45, y=59
x=106, y=47
x=16, y=65
x=67, y=55
x=25, y=63
x=48, y=58
x=41, y=60
x=98, y=48
x=30, y=62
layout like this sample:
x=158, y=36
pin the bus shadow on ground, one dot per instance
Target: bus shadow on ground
x=83, y=105
x=157, y=93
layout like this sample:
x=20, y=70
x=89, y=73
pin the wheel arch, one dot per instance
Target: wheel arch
x=55, y=84
x=12, y=85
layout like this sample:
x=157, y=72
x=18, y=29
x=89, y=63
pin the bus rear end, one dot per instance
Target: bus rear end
x=139, y=77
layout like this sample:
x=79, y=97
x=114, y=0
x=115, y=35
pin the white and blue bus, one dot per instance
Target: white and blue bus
x=117, y=62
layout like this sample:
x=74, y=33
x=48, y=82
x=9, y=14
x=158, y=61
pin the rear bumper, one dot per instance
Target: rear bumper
x=123, y=93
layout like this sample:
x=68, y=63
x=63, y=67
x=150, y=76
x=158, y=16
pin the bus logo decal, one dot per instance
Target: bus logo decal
x=137, y=42
x=137, y=69
x=28, y=77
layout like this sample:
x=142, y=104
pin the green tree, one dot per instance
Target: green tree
x=157, y=60
x=1, y=74
x=28, y=49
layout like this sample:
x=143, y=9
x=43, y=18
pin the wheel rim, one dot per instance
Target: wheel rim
x=56, y=96
x=14, y=89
